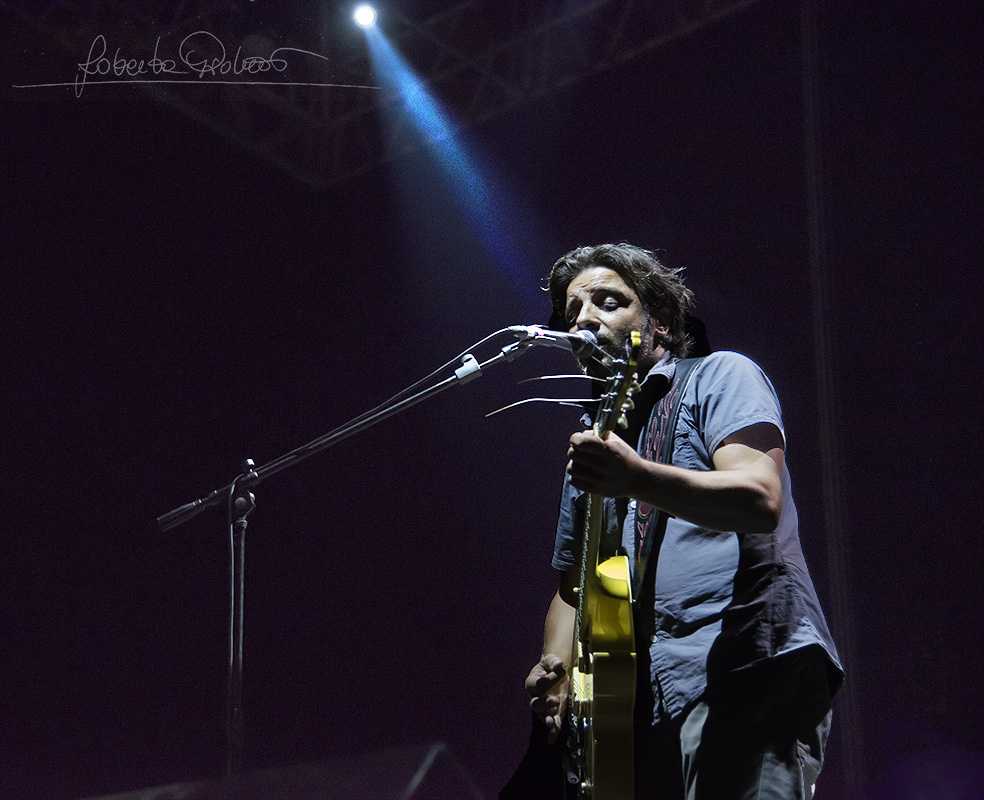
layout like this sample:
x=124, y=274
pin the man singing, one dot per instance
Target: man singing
x=737, y=668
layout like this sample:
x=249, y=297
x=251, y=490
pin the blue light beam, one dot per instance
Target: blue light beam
x=470, y=190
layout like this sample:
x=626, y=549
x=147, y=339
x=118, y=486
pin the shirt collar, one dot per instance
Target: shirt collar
x=657, y=381
x=665, y=367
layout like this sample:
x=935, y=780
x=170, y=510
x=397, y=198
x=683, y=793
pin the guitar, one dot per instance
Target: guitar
x=603, y=675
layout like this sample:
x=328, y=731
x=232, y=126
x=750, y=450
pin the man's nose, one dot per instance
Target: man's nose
x=587, y=318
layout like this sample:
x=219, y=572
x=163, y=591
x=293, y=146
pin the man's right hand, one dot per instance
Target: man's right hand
x=548, y=684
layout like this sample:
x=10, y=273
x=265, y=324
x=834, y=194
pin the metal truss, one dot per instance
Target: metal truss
x=479, y=58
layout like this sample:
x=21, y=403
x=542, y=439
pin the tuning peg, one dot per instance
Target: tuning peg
x=628, y=404
x=623, y=423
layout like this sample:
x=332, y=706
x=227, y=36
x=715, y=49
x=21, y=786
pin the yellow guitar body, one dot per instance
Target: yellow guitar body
x=603, y=686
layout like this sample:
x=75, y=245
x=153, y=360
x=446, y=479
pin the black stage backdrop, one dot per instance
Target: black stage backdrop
x=172, y=305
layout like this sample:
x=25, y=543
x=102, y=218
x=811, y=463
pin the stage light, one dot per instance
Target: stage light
x=365, y=16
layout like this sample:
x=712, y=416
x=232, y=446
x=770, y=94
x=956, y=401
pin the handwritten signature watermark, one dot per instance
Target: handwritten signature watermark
x=201, y=58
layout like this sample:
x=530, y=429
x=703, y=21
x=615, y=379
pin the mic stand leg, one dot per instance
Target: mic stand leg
x=241, y=502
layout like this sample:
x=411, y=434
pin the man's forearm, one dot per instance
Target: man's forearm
x=747, y=500
x=558, y=629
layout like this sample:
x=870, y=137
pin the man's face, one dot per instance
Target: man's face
x=598, y=300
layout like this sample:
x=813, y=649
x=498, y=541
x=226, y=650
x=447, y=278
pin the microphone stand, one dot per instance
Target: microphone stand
x=241, y=500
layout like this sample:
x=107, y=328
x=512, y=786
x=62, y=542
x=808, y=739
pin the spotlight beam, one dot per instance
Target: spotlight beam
x=469, y=184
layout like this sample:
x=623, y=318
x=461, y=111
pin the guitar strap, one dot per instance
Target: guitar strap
x=657, y=445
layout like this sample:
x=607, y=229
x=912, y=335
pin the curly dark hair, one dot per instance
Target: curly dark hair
x=660, y=289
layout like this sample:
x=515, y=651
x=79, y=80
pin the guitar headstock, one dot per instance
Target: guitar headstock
x=616, y=398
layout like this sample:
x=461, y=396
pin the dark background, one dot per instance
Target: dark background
x=172, y=305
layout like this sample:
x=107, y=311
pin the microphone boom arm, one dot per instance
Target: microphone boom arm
x=468, y=371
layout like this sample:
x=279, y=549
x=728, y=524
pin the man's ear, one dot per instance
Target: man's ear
x=660, y=329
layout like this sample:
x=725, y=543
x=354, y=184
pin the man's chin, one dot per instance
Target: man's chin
x=599, y=365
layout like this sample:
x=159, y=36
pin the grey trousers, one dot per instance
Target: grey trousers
x=758, y=734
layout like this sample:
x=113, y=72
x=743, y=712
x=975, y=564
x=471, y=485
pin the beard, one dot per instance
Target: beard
x=618, y=343
x=616, y=346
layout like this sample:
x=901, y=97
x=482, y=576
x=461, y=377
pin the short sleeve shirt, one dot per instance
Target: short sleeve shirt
x=719, y=600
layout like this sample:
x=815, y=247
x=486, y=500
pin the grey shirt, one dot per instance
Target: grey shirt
x=721, y=601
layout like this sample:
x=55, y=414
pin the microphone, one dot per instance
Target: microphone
x=583, y=344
